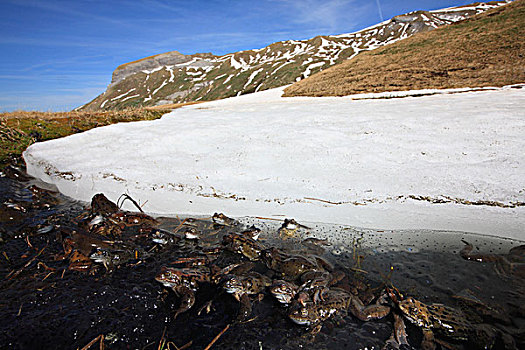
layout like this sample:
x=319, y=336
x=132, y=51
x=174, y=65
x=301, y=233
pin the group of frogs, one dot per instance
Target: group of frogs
x=313, y=292
x=310, y=288
x=97, y=236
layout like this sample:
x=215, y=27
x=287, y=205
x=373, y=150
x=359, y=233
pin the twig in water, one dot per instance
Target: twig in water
x=126, y=196
x=162, y=341
x=358, y=270
x=100, y=337
x=13, y=275
x=28, y=243
x=180, y=225
x=47, y=268
x=187, y=345
x=250, y=320
x=49, y=274
x=217, y=337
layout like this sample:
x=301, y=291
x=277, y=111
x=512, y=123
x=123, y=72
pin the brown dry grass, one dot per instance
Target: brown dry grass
x=172, y=105
x=124, y=114
x=485, y=50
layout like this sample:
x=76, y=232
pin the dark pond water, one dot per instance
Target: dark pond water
x=52, y=298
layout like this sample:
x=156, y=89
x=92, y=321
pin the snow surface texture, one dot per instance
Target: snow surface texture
x=446, y=162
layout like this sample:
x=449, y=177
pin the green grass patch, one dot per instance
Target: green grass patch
x=18, y=130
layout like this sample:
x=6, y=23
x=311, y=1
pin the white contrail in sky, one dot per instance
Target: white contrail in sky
x=380, y=12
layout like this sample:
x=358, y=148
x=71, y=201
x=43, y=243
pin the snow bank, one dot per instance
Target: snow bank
x=447, y=161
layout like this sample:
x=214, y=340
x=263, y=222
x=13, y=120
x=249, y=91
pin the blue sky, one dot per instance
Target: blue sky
x=57, y=55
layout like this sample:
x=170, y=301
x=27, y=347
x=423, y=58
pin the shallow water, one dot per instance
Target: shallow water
x=46, y=305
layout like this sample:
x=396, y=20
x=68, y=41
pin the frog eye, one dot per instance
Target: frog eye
x=304, y=312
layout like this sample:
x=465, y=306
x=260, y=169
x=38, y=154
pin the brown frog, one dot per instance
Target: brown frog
x=113, y=257
x=511, y=264
x=252, y=232
x=192, y=233
x=100, y=204
x=284, y=291
x=163, y=237
x=315, y=283
x=242, y=244
x=450, y=323
x=334, y=300
x=184, y=282
x=242, y=286
x=223, y=220
x=107, y=219
x=289, y=228
x=291, y=267
x=132, y=219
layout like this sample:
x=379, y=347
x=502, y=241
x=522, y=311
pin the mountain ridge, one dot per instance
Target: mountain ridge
x=482, y=51
x=173, y=77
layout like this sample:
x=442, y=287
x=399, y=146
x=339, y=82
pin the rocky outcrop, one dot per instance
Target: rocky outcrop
x=152, y=63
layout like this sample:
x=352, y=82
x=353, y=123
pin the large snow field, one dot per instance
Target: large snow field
x=378, y=163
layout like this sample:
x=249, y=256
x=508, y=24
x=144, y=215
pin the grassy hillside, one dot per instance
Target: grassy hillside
x=485, y=50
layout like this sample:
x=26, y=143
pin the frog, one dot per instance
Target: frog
x=192, y=233
x=78, y=245
x=250, y=283
x=450, y=323
x=106, y=218
x=242, y=286
x=289, y=266
x=479, y=311
x=315, y=283
x=284, y=291
x=510, y=264
x=242, y=244
x=112, y=257
x=223, y=220
x=128, y=219
x=163, y=237
x=100, y=204
x=335, y=300
x=184, y=282
x=289, y=228
x=252, y=232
